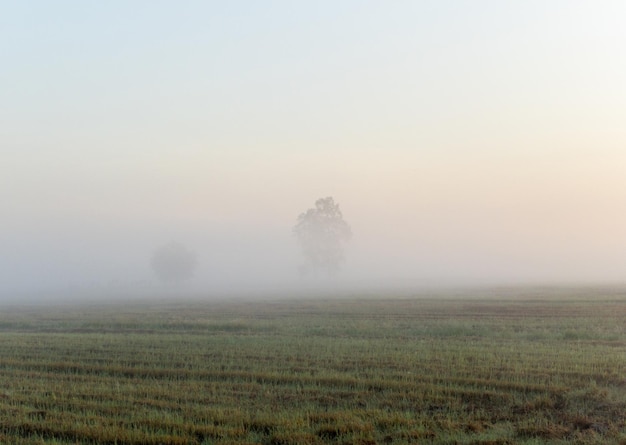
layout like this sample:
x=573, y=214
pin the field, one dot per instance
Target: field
x=520, y=368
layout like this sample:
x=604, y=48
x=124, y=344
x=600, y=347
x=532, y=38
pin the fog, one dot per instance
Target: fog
x=80, y=262
x=466, y=145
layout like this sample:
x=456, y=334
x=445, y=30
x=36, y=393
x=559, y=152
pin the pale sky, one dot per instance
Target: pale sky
x=465, y=141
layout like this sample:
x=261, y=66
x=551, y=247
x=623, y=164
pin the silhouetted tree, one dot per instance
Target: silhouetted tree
x=173, y=263
x=322, y=232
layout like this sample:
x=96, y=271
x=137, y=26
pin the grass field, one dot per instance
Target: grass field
x=446, y=370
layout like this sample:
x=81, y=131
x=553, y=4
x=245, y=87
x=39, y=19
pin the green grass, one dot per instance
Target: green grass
x=361, y=371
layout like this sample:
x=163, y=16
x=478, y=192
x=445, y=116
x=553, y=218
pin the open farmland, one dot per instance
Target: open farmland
x=448, y=370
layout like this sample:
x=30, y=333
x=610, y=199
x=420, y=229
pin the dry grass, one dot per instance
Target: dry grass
x=398, y=371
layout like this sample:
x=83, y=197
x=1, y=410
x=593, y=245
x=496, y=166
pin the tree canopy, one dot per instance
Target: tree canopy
x=173, y=263
x=322, y=232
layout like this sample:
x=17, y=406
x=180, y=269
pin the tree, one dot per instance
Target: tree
x=321, y=232
x=173, y=263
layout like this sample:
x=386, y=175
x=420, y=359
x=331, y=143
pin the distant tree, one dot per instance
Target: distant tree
x=173, y=263
x=321, y=232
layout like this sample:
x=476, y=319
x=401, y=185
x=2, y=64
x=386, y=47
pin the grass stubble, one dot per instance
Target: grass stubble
x=346, y=371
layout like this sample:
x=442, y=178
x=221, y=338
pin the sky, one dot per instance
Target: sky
x=466, y=142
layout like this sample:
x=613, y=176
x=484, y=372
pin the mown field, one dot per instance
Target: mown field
x=444, y=370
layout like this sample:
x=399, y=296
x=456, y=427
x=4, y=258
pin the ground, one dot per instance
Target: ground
x=515, y=367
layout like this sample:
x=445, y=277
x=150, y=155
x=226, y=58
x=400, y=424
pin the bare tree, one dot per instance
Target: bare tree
x=322, y=232
x=173, y=263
